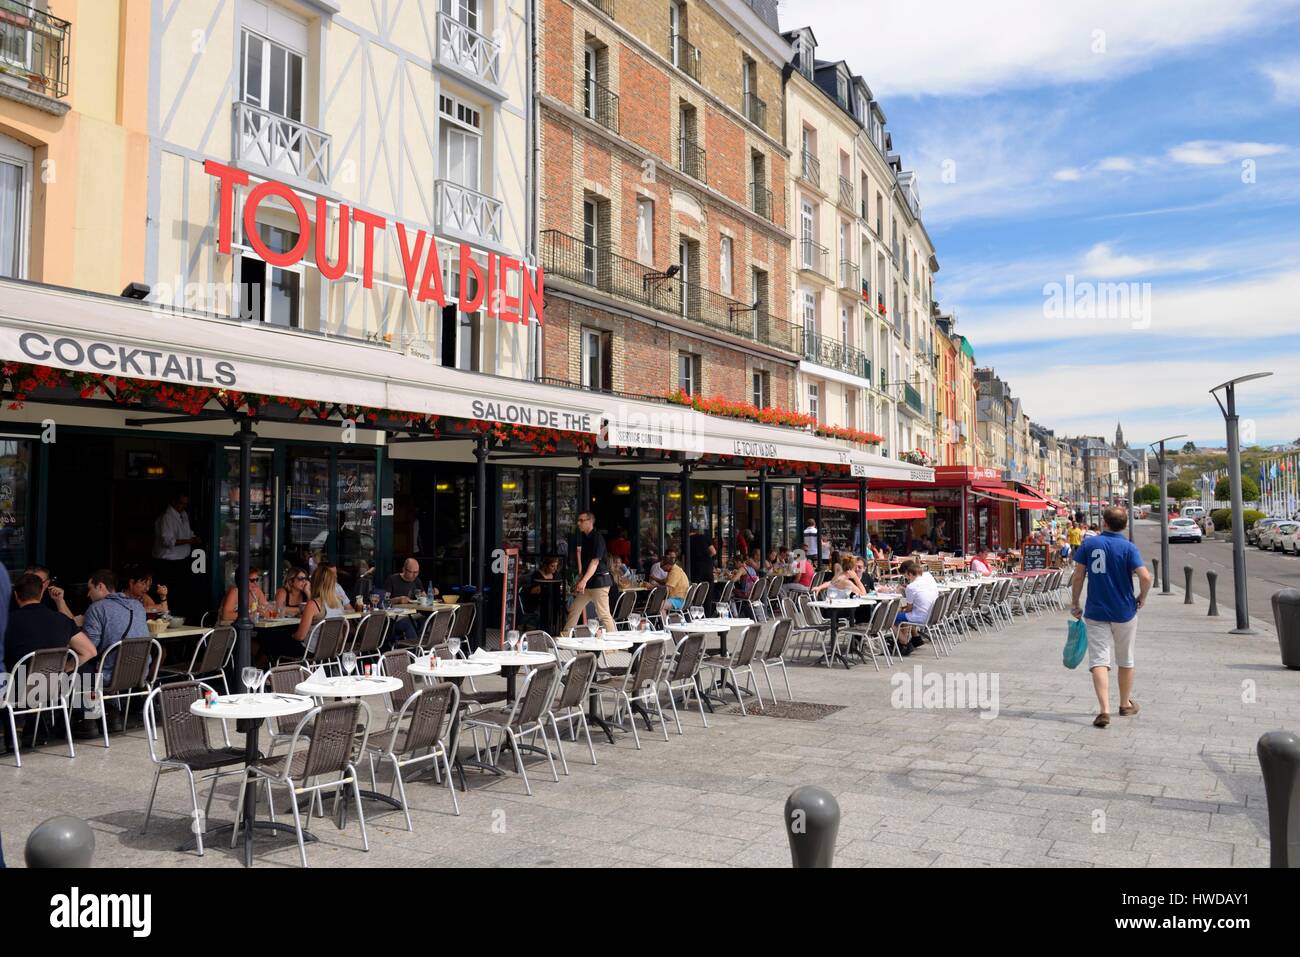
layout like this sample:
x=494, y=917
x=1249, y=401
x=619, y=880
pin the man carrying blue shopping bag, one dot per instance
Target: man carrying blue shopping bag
x=1108, y=562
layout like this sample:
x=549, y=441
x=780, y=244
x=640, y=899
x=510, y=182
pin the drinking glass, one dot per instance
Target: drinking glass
x=453, y=645
x=523, y=643
x=697, y=613
x=512, y=639
x=723, y=611
x=349, y=661
x=633, y=620
x=251, y=677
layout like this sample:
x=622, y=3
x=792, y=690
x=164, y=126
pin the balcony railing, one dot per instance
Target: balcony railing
x=849, y=276
x=846, y=193
x=834, y=354
x=601, y=105
x=280, y=144
x=34, y=48
x=684, y=56
x=812, y=256
x=467, y=211
x=604, y=6
x=755, y=110
x=468, y=50
x=691, y=159
x=884, y=379
x=572, y=259
x=811, y=169
x=760, y=199
x=913, y=399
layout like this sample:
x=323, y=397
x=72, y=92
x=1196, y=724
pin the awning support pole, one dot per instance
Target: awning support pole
x=480, y=537
x=686, y=520
x=243, y=623
x=862, y=517
x=817, y=486
x=584, y=484
x=762, y=518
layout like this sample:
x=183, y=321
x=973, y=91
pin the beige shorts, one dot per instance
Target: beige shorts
x=1109, y=640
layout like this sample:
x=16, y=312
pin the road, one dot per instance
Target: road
x=1266, y=572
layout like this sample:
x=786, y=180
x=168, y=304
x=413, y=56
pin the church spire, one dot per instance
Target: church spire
x=1119, y=436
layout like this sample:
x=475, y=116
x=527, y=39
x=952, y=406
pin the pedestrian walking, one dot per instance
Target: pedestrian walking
x=1107, y=563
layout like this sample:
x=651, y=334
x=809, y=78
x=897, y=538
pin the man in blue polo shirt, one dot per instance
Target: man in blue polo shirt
x=1108, y=562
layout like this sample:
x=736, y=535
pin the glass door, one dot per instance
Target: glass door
x=356, y=510
x=307, y=511
x=261, y=517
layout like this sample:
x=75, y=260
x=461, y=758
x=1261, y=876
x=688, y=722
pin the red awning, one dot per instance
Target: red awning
x=876, y=511
x=1030, y=503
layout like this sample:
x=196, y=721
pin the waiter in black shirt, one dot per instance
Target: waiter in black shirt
x=594, y=578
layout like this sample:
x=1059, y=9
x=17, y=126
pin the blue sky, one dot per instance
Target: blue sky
x=1154, y=144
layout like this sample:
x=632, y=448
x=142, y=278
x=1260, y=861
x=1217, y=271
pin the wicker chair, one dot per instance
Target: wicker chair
x=526, y=718
x=639, y=685
x=654, y=604
x=774, y=656
x=739, y=662
x=397, y=664
x=135, y=663
x=436, y=630
x=370, y=633
x=462, y=623
x=50, y=668
x=425, y=714
x=187, y=747
x=333, y=732
x=282, y=679
x=567, y=705
x=623, y=606
x=210, y=661
x=684, y=676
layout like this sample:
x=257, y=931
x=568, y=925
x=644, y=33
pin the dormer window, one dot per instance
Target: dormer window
x=842, y=90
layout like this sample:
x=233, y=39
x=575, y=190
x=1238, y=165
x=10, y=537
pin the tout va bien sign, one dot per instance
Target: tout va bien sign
x=479, y=285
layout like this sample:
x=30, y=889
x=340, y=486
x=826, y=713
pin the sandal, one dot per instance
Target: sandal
x=1101, y=721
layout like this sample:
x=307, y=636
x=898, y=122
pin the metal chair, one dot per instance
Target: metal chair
x=654, y=604
x=130, y=677
x=326, y=641
x=774, y=656
x=425, y=713
x=739, y=662
x=623, y=606
x=639, y=685
x=527, y=717
x=567, y=703
x=370, y=633
x=684, y=676
x=187, y=747
x=333, y=729
x=436, y=630
x=47, y=676
x=210, y=661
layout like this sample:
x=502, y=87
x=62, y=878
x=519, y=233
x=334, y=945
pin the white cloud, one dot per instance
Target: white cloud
x=1118, y=164
x=917, y=47
x=1103, y=262
x=1285, y=78
x=1218, y=152
x=1071, y=174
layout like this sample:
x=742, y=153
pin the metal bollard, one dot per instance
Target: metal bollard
x=812, y=820
x=1155, y=573
x=62, y=841
x=1187, y=590
x=1286, y=618
x=1212, y=579
x=1279, y=761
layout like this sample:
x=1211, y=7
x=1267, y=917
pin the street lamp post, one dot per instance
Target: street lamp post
x=1234, y=479
x=1164, y=512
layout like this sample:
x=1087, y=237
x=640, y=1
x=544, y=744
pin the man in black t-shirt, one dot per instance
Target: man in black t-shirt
x=32, y=626
x=594, y=578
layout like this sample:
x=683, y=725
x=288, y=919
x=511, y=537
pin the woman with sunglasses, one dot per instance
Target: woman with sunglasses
x=256, y=598
x=295, y=592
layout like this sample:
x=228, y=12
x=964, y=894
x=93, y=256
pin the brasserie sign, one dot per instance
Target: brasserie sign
x=481, y=285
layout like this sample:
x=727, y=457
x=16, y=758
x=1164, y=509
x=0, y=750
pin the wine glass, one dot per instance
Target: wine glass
x=634, y=620
x=723, y=611
x=349, y=662
x=512, y=639
x=453, y=645
x=251, y=677
x=697, y=613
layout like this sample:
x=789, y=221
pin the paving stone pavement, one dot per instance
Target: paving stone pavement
x=1035, y=786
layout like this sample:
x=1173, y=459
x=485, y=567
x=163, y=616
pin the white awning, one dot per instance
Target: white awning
x=104, y=335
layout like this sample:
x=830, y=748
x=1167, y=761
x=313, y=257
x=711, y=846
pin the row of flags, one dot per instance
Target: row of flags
x=1279, y=485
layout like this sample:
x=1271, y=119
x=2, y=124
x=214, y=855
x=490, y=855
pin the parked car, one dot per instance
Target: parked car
x=1291, y=539
x=1278, y=537
x=1184, y=530
x=1193, y=511
x=1255, y=531
x=1270, y=537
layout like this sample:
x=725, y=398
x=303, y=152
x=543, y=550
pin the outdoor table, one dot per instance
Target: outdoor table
x=456, y=670
x=248, y=711
x=184, y=631
x=598, y=646
x=510, y=663
x=840, y=604
x=722, y=628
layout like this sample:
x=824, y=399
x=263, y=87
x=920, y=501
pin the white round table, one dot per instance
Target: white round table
x=511, y=662
x=712, y=626
x=349, y=686
x=250, y=710
x=841, y=604
x=641, y=637
x=597, y=645
x=453, y=669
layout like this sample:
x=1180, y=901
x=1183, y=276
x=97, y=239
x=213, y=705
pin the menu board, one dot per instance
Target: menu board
x=1034, y=558
x=510, y=592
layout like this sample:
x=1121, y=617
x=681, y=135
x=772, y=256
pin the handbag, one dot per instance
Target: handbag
x=1076, y=643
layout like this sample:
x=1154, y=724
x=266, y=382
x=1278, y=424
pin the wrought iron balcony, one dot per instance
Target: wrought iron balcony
x=811, y=169
x=846, y=193
x=468, y=51
x=812, y=256
x=601, y=104
x=604, y=6
x=570, y=258
x=760, y=199
x=755, y=110
x=834, y=354
x=281, y=145
x=34, y=49
x=913, y=399
x=467, y=212
x=691, y=159
x=684, y=56
x=849, y=275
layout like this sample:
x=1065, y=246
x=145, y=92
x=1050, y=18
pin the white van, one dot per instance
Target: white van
x=1194, y=511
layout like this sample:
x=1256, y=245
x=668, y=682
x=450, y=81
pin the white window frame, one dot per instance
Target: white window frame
x=463, y=121
x=465, y=12
x=246, y=253
x=688, y=364
x=761, y=389
x=264, y=101
x=726, y=264
x=589, y=63
x=593, y=349
x=590, y=237
x=814, y=400
x=808, y=309
x=20, y=155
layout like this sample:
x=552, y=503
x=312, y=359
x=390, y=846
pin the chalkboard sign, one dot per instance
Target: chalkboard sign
x=509, y=593
x=1035, y=557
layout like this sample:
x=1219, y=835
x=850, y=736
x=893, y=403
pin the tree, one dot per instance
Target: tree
x=1147, y=494
x=1179, y=489
x=1249, y=489
x=1189, y=447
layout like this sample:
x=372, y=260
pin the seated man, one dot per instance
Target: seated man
x=659, y=570
x=53, y=597
x=401, y=588
x=34, y=627
x=980, y=563
x=111, y=617
x=921, y=593
x=675, y=581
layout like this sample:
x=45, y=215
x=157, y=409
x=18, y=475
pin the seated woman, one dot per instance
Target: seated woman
x=295, y=592
x=802, y=571
x=139, y=581
x=324, y=603
x=256, y=598
x=847, y=580
x=744, y=574
x=980, y=563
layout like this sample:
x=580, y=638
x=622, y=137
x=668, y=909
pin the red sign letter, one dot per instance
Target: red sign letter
x=371, y=222
x=259, y=193
x=534, y=294
x=410, y=258
x=322, y=236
